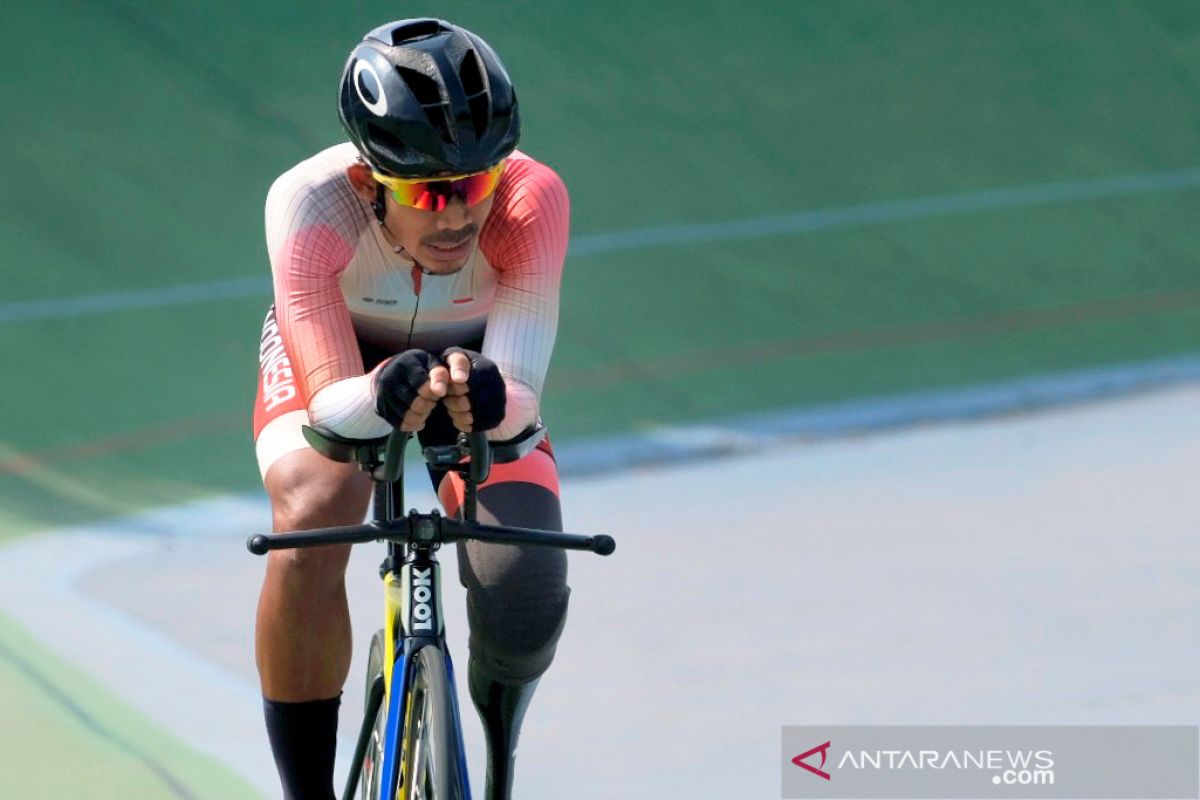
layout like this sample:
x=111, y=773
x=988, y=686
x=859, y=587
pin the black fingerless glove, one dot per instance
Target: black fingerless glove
x=485, y=390
x=397, y=382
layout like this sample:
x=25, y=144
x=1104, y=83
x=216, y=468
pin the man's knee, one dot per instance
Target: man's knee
x=309, y=491
x=516, y=596
x=516, y=622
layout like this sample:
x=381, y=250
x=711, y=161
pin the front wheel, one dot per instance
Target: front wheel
x=372, y=763
x=429, y=768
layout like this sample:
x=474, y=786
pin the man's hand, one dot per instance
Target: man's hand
x=475, y=396
x=408, y=386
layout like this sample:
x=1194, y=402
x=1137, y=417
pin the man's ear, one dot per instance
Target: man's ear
x=360, y=178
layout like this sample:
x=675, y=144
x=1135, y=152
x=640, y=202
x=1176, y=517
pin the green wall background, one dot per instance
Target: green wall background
x=140, y=140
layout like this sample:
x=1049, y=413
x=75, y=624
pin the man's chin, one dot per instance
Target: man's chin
x=443, y=267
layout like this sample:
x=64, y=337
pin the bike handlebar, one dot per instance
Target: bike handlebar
x=429, y=529
x=383, y=458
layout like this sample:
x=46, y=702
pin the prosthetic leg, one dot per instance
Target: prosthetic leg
x=501, y=706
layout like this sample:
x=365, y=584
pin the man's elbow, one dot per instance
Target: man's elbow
x=520, y=412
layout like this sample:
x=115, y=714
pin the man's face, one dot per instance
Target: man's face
x=440, y=241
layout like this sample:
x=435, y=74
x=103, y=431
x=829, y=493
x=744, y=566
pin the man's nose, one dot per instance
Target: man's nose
x=454, y=215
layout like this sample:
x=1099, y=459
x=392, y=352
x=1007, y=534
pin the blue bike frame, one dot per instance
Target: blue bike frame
x=414, y=614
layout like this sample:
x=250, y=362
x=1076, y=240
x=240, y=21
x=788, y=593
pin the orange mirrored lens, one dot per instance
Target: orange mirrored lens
x=436, y=195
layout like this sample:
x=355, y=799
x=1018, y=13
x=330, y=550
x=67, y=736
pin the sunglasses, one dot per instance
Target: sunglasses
x=434, y=194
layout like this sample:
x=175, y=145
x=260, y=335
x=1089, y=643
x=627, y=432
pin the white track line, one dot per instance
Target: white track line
x=852, y=216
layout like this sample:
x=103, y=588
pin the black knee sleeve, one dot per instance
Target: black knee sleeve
x=517, y=596
x=515, y=626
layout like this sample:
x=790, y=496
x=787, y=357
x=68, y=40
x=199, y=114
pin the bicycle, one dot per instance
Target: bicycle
x=410, y=744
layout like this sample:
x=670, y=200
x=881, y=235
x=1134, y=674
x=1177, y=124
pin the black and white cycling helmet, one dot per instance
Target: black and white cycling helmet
x=422, y=98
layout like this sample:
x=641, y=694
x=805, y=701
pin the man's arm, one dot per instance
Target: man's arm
x=309, y=229
x=528, y=247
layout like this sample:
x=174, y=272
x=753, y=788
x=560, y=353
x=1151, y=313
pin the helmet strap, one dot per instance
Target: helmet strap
x=379, y=206
x=380, y=209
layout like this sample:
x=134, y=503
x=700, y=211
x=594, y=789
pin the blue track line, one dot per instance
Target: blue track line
x=753, y=432
x=38, y=678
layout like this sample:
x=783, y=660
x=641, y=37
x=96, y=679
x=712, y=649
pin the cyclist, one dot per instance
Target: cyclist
x=416, y=272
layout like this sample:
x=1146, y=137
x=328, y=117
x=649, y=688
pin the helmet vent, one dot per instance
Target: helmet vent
x=386, y=140
x=417, y=29
x=429, y=95
x=423, y=87
x=471, y=75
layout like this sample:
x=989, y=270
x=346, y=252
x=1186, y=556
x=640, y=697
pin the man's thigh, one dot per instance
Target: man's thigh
x=308, y=490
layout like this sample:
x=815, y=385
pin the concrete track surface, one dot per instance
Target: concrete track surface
x=1028, y=569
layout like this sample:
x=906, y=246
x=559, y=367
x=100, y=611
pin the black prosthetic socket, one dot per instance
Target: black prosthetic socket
x=502, y=707
x=304, y=741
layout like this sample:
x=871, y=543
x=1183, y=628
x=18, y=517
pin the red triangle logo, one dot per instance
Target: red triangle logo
x=822, y=749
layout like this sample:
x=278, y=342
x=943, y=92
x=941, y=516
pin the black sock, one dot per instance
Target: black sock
x=304, y=741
